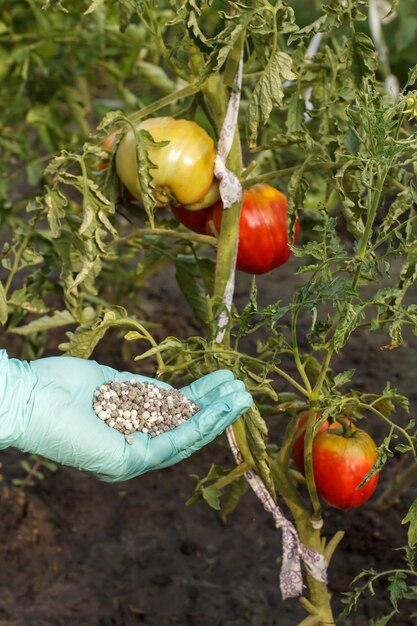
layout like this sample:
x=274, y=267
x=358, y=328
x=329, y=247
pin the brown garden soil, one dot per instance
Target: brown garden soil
x=77, y=552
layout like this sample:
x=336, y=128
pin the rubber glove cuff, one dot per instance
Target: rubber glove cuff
x=16, y=398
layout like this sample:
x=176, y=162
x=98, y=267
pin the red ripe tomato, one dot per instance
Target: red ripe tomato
x=263, y=239
x=194, y=220
x=340, y=463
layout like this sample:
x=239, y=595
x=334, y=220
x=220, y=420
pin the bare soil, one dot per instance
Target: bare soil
x=77, y=552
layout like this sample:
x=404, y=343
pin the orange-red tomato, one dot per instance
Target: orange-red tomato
x=194, y=220
x=185, y=165
x=340, y=463
x=263, y=238
x=109, y=142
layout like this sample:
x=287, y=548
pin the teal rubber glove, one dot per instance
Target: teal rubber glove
x=46, y=409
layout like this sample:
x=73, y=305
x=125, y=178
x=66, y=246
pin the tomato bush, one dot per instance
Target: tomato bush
x=320, y=124
x=342, y=457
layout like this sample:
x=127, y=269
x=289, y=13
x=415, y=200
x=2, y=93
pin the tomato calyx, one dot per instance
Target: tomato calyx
x=163, y=196
x=342, y=427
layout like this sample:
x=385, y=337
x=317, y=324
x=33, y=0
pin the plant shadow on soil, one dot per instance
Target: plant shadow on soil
x=78, y=552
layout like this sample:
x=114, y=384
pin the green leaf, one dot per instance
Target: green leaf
x=397, y=585
x=50, y=3
x=50, y=465
x=268, y=91
x=127, y=10
x=133, y=335
x=295, y=117
x=155, y=76
x=384, y=406
x=25, y=465
x=46, y=322
x=382, y=621
x=231, y=496
x=34, y=172
x=95, y=4
x=412, y=77
x=227, y=477
x=144, y=141
x=411, y=518
x=353, y=315
x=186, y=274
x=256, y=430
x=224, y=44
x=206, y=269
x=212, y=496
x=83, y=341
x=55, y=204
x=189, y=13
x=170, y=343
x=351, y=141
x=344, y=377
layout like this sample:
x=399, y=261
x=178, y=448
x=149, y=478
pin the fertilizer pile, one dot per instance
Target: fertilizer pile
x=134, y=406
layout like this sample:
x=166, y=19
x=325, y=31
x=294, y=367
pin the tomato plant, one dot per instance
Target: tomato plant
x=342, y=456
x=183, y=170
x=317, y=119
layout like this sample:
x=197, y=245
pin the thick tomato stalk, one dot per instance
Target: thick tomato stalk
x=184, y=173
x=342, y=457
x=263, y=239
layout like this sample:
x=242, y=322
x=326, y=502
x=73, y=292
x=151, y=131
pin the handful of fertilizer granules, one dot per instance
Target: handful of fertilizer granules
x=144, y=407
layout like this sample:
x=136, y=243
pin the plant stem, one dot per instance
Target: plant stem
x=296, y=353
x=177, y=234
x=310, y=433
x=16, y=261
x=134, y=325
x=332, y=544
x=373, y=207
x=185, y=92
x=288, y=171
x=31, y=473
x=319, y=602
x=274, y=368
x=311, y=620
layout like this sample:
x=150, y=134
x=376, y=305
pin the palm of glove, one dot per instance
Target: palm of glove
x=61, y=424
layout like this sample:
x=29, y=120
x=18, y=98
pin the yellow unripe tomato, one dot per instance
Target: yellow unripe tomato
x=185, y=166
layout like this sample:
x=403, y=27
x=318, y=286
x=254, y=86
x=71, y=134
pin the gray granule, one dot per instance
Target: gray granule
x=134, y=406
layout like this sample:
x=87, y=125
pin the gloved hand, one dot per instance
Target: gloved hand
x=46, y=409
